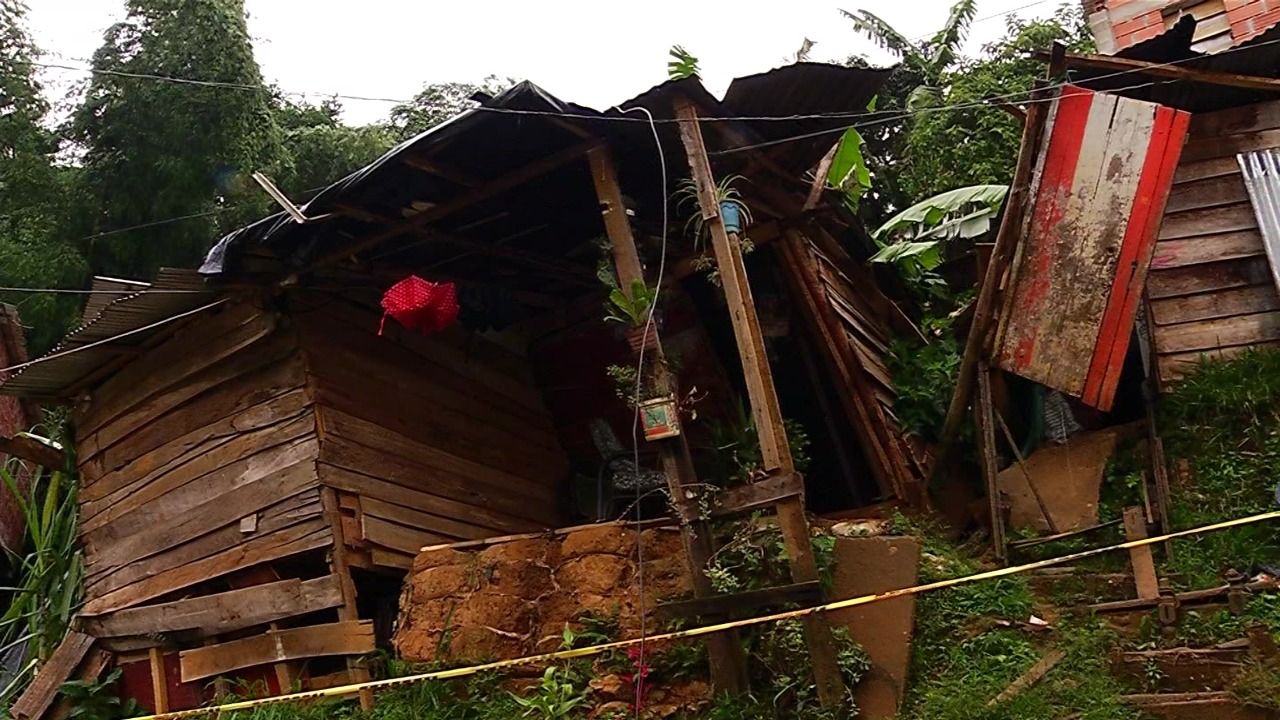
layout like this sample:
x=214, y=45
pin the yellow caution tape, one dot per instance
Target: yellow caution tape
x=349, y=690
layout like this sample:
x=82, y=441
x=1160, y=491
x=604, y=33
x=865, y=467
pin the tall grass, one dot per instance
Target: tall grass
x=48, y=572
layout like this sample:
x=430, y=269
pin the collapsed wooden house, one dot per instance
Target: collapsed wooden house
x=262, y=453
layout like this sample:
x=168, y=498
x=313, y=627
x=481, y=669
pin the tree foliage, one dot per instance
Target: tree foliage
x=33, y=190
x=322, y=149
x=976, y=143
x=437, y=102
x=929, y=60
x=157, y=150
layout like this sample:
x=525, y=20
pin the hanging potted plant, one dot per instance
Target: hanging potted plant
x=734, y=214
x=635, y=312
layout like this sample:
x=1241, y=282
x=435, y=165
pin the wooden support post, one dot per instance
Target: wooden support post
x=728, y=662
x=1144, y=567
x=774, y=451
x=984, y=421
x=348, y=612
x=1002, y=254
x=159, y=682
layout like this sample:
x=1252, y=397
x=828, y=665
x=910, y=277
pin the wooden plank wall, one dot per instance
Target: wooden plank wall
x=197, y=460
x=1210, y=290
x=870, y=321
x=442, y=437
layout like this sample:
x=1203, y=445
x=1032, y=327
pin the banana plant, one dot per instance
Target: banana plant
x=916, y=237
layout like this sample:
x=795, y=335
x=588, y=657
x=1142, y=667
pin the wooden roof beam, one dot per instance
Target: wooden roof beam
x=1164, y=70
x=479, y=194
x=433, y=167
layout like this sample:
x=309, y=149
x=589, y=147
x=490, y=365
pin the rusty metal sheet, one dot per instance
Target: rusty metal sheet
x=1103, y=175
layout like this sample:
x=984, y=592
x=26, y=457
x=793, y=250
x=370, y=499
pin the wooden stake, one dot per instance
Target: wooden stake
x=728, y=663
x=983, y=419
x=1144, y=567
x=774, y=450
x=338, y=566
x=159, y=683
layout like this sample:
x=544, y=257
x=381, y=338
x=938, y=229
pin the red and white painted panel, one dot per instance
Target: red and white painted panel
x=1102, y=177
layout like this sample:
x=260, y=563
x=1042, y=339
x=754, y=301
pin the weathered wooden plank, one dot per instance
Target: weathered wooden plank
x=802, y=594
x=1224, y=145
x=241, y=403
x=1194, y=223
x=1221, y=304
x=1206, y=248
x=189, y=486
x=1217, y=167
x=1236, y=121
x=299, y=538
x=482, y=518
x=1140, y=558
x=398, y=537
x=390, y=559
x=1209, y=277
x=286, y=513
x=43, y=690
x=33, y=451
x=272, y=348
x=233, y=328
x=227, y=453
x=224, y=612
x=1224, y=332
x=484, y=362
x=1211, y=192
x=343, y=638
x=452, y=475
x=757, y=494
x=413, y=518
x=172, y=525
x=1174, y=366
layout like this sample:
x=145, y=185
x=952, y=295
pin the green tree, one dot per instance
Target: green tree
x=33, y=253
x=154, y=150
x=437, y=102
x=981, y=140
x=927, y=60
x=322, y=149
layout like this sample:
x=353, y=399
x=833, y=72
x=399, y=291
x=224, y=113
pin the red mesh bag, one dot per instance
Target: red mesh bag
x=420, y=305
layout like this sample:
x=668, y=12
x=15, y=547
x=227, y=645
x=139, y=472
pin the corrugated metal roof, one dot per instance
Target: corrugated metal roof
x=1261, y=170
x=104, y=290
x=1259, y=57
x=173, y=292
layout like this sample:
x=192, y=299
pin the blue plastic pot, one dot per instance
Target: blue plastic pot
x=731, y=213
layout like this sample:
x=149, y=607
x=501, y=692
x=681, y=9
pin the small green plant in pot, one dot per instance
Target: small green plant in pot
x=634, y=311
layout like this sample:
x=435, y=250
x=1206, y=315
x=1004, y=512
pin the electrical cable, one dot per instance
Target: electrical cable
x=349, y=690
x=640, y=668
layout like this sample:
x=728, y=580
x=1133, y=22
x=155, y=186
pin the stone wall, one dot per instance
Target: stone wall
x=473, y=603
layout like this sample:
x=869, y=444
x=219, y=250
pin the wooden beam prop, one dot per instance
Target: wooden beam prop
x=985, y=423
x=348, y=612
x=222, y=612
x=43, y=690
x=1001, y=257
x=159, y=682
x=728, y=663
x=341, y=638
x=484, y=192
x=774, y=450
x=1173, y=72
x=33, y=451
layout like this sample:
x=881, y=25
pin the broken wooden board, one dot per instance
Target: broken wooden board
x=343, y=638
x=40, y=694
x=224, y=612
x=1069, y=478
x=1101, y=183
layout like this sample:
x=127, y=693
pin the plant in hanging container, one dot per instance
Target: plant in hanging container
x=635, y=311
x=734, y=214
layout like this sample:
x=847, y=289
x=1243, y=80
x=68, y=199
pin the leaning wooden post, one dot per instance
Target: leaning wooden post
x=774, y=451
x=357, y=669
x=1007, y=237
x=728, y=663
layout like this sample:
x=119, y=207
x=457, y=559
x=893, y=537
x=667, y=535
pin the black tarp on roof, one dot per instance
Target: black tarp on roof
x=558, y=213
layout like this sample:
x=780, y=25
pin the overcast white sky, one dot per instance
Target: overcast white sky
x=593, y=52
